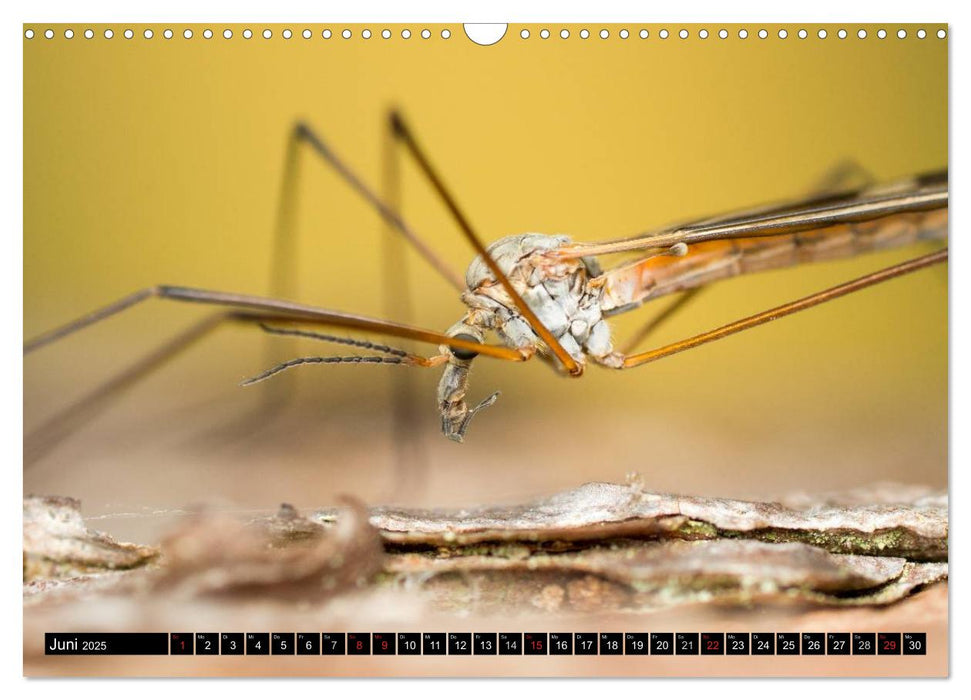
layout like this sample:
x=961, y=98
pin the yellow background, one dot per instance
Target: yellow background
x=160, y=161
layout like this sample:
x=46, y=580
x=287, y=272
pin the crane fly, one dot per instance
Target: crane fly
x=549, y=297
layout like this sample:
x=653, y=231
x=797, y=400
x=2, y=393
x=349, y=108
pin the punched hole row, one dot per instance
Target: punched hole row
x=245, y=34
x=724, y=34
x=446, y=34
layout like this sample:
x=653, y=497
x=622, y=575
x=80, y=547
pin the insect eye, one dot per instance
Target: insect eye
x=464, y=353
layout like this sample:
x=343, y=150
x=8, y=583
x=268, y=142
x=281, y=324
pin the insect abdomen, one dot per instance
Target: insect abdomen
x=632, y=284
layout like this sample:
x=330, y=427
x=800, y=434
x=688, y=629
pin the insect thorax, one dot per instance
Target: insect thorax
x=557, y=291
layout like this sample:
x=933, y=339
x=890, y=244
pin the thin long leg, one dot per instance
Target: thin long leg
x=89, y=319
x=282, y=278
x=778, y=312
x=283, y=268
x=255, y=308
x=282, y=272
x=55, y=429
x=284, y=255
x=410, y=459
x=402, y=132
x=43, y=438
x=304, y=134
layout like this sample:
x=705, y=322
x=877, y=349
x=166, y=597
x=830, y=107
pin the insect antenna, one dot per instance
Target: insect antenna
x=392, y=355
x=328, y=360
x=355, y=342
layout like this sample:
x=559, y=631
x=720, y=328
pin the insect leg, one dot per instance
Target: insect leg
x=283, y=269
x=405, y=135
x=254, y=308
x=239, y=308
x=40, y=440
x=304, y=134
x=778, y=312
x=410, y=458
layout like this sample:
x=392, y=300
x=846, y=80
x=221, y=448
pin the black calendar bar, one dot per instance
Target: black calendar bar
x=107, y=643
x=634, y=644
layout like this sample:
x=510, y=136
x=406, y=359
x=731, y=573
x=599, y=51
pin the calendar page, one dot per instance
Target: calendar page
x=485, y=350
